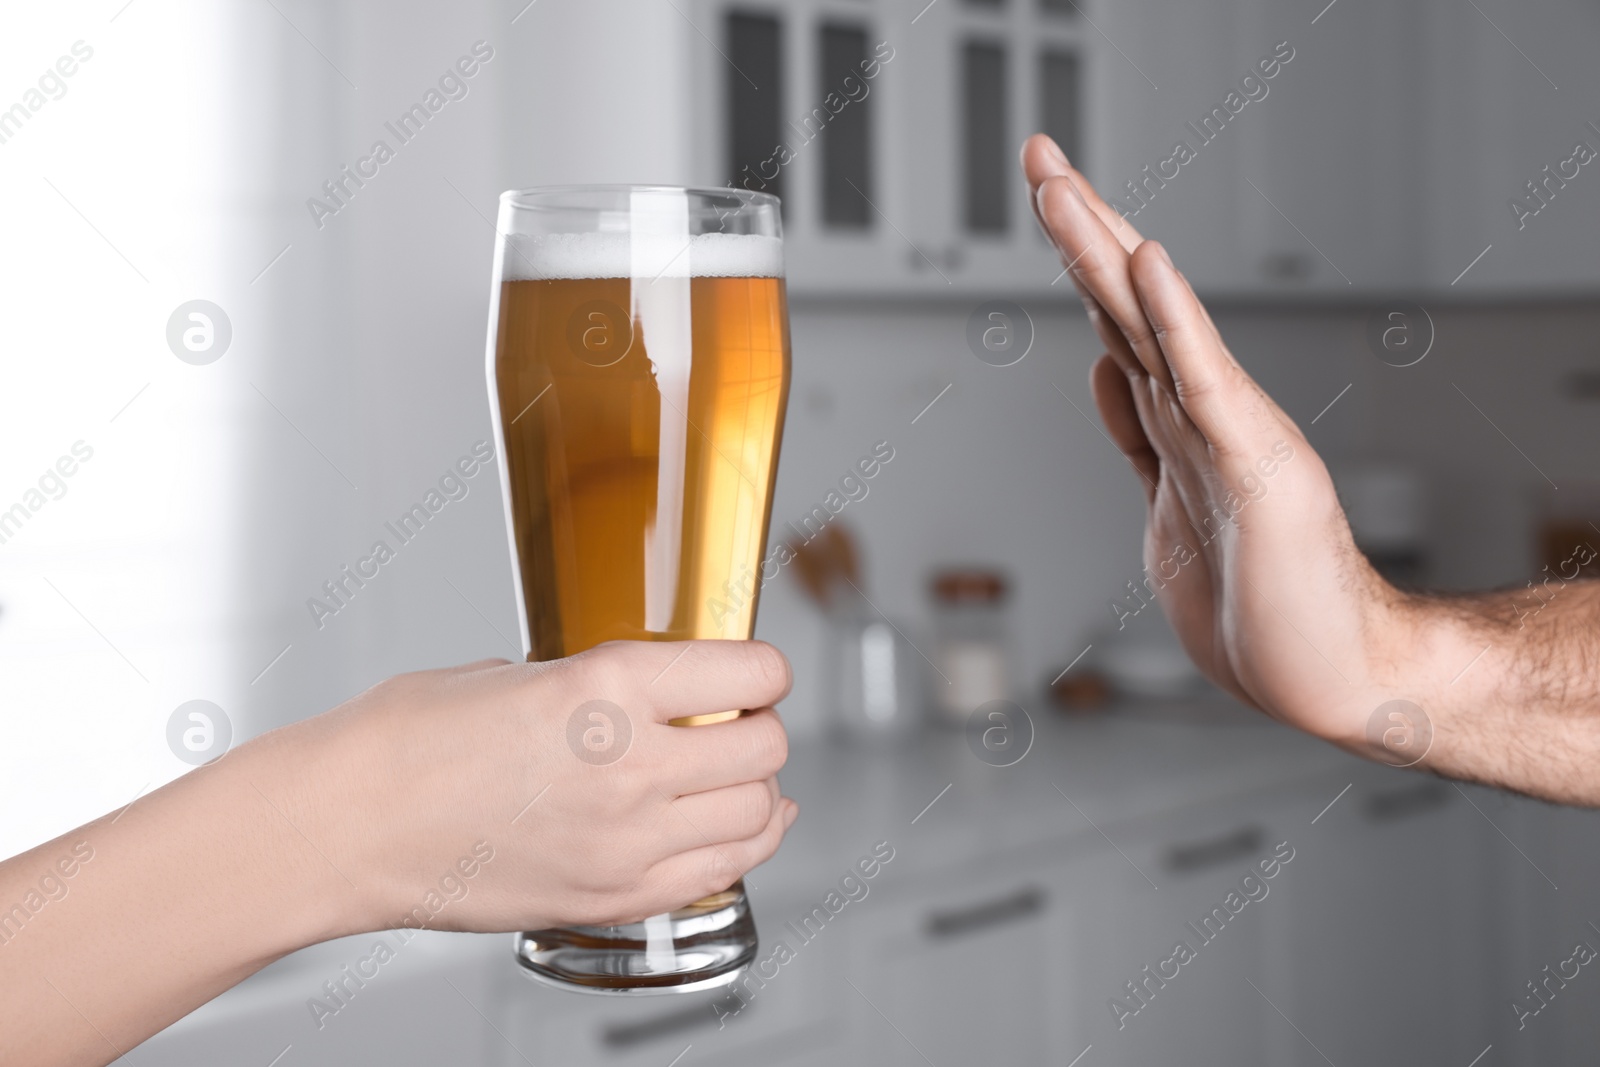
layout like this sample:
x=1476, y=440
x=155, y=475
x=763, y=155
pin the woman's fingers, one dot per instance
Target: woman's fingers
x=678, y=679
x=694, y=759
x=699, y=872
x=1113, y=395
x=481, y=665
x=718, y=816
x=1099, y=267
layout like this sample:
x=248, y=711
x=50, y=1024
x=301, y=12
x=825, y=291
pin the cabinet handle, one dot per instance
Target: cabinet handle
x=1022, y=904
x=949, y=258
x=1406, y=801
x=1287, y=267
x=627, y=1035
x=1189, y=857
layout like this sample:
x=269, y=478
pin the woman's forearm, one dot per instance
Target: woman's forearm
x=117, y=929
x=345, y=822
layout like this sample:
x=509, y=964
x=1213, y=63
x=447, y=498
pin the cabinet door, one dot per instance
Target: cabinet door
x=1556, y=884
x=1201, y=1006
x=427, y=1001
x=1495, y=119
x=1392, y=924
x=1333, y=163
x=968, y=970
x=780, y=1017
x=1194, y=53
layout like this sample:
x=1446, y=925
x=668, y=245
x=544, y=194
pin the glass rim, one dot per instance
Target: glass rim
x=553, y=197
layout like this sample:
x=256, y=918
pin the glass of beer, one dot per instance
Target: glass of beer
x=638, y=372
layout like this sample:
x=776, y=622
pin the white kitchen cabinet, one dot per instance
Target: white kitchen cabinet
x=1331, y=163
x=928, y=199
x=782, y=1019
x=1382, y=159
x=1502, y=101
x=972, y=969
x=1385, y=155
x=1392, y=923
x=1159, y=890
x=1556, y=880
x=423, y=1004
x=1171, y=65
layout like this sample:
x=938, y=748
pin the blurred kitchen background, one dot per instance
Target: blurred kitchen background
x=1358, y=235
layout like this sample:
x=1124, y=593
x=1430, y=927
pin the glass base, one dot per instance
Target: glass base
x=703, y=946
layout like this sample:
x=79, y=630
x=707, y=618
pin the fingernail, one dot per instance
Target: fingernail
x=1162, y=249
x=1055, y=150
x=1057, y=180
x=791, y=814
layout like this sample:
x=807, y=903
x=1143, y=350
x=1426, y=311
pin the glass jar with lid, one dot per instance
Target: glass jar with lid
x=972, y=641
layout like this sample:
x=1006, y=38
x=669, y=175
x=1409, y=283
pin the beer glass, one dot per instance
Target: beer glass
x=638, y=370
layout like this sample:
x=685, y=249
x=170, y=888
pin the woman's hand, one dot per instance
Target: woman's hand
x=560, y=786
x=490, y=797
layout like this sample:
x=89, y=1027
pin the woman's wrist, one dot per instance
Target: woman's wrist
x=281, y=787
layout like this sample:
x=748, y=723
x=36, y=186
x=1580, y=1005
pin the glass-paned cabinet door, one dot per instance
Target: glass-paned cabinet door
x=795, y=98
x=891, y=129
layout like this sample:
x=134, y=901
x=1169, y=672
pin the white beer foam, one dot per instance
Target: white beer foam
x=621, y=255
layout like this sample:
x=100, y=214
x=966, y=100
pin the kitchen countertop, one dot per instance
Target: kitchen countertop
x=1121, y=767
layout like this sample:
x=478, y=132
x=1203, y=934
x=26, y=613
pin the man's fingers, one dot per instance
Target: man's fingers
x=1212, y=388
x=1043, y=159
x=1114, y=397
x=1099, y=266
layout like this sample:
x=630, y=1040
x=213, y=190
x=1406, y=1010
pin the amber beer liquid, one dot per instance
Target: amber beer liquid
x=639, y=369
x=640, y=488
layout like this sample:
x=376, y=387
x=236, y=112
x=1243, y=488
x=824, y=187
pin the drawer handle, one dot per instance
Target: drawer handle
x=1393, y=804
x=627, y=1035
x=957, y=922
x=1197, y=856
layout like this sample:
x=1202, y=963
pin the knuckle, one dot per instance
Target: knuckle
x=764, y=847
x=1140, y=335
x=770, y=666
x=755, y=809
x=717, y=872
x=769, y=744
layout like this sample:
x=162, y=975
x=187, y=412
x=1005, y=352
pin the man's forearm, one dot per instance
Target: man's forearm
x=1513, y=687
